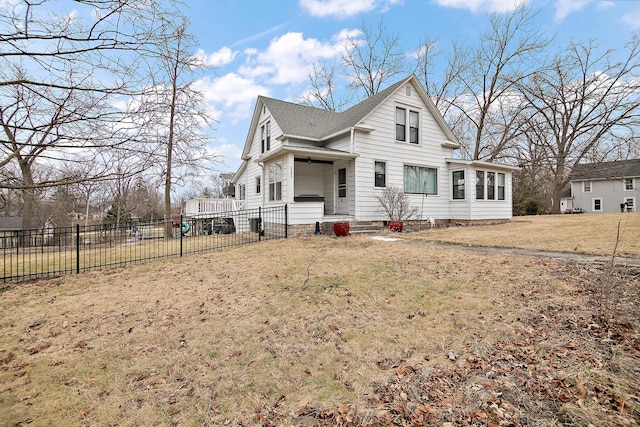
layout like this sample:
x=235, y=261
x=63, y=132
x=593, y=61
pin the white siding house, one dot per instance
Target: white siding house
x=328, y=166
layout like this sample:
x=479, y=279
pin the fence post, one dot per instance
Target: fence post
x=259, y=223
x=180, y=232
x=286, y=221
x=77, y=248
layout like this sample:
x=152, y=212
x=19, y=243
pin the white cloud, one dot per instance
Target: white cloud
x=605, y=4
x=219, y=58
x=288, y=58
x=632, y=19
x=566, y=7
x=231, y=96
x=482, y=5
x=345, y=8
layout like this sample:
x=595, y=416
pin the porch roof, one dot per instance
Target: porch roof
x=312, y=153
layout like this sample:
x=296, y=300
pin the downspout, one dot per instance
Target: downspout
x=352, y=149
x=263, y=184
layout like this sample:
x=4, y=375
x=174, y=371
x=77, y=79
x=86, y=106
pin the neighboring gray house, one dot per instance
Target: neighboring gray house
x=604, y=187
x=329, y=166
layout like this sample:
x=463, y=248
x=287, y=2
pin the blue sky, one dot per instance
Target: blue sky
x=265, y=47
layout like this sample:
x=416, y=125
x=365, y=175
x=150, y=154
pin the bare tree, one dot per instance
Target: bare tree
x=175, y=112
x=323, y=92
x=585, y=103
x=372, y=58
x=480, y=82
x=62, y=110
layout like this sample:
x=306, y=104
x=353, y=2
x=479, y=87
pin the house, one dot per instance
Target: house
x=331, y=166
x=11, y=231
x=604, y=187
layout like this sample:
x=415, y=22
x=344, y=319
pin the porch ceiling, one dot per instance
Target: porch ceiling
x=312, y=153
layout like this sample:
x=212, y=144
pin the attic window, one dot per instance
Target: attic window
x=408, y=89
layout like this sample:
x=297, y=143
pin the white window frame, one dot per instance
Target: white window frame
x=633, y=204
x=258, y=184
x=242, y=192
x=593, y=204
x=375, y=173
x=455, y=185
x=427, y=169
x=408, y=113
x=586, y=186
x=626, y=183
x=275, y=182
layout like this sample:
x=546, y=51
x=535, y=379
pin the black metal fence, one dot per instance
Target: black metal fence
x=31, y=254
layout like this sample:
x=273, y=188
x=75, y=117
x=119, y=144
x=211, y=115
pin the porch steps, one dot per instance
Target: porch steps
x=364, y=227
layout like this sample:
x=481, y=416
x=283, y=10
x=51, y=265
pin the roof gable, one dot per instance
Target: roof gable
x=606, y=170
x=302, y=121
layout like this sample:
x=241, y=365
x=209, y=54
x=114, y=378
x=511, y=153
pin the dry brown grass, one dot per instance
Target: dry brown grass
x=585, y=234
x=273, y=327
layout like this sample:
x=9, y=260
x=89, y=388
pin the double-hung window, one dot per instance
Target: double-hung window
x=501, y=184
x=401, y=124
x=586, y=186
x=491, y=185
x=458, y=185
x=403, y=116
x=265, y=137
x=258, y=186
x=242, y=192
x=380, y=174
x=275, y=182
x=480, y=185
x=414, y=127
x=597, y=205
x=628, y=184
x=420, y=180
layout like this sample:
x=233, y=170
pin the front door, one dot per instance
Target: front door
x=342, y=200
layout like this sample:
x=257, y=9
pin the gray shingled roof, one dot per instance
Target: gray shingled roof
x=606, y=170
x=315, y=123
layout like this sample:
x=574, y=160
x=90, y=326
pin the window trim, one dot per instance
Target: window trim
x=242, y=192
x=383, y=175
x=461, y=188
x=593, y=204
x=626, y=183
x=275, y=182
x=502, y=189
x=430, y=191
x=407, y=130
x=586, y=186
x=480, y=184
x=258, y=184
x=633, y=204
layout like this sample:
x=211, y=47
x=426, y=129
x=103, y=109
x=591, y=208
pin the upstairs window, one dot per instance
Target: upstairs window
x=242, y=192
x=414, y=130
x=404, y=116
x=586, y=186
x=628, y=184
x=265, y=137
x=258, y=189
x=458, y=185
x=401, y=124
x=380, y=173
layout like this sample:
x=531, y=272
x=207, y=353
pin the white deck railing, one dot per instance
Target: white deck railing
x=195, y=207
